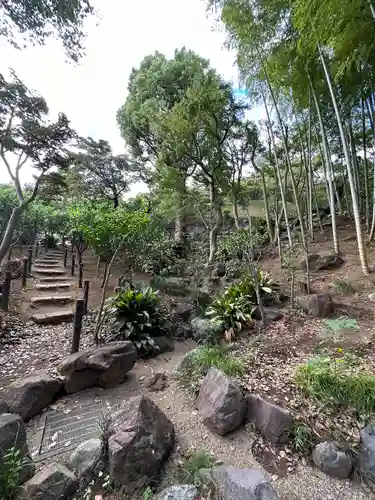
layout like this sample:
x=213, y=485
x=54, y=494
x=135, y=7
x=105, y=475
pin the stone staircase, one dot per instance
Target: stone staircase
x=52, y=307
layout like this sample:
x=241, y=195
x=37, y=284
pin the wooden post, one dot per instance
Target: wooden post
x=6, y=291
x=65, y=256
x=73, y=265
x=80, y=277
x=29, y=259
x=77, y=325
x=25, y=267
x=86, y=288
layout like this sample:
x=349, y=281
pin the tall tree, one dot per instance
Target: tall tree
x=36, y=20
x=27, y=137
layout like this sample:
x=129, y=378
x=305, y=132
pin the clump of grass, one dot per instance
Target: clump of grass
x=10, y=469
x=302, y=437
x=197, y=363
x=339, y=382
x=189, y=471
x=342, y=286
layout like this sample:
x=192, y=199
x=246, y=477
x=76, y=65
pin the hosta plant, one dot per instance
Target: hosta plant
x=133, y=314
x=232, y=312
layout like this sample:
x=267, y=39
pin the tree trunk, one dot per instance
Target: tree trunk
x=265, y=199
x=365, y=166
x=357, y=219
x=179, y=228
x=282, y=193
x=235, y=212
x=310, y=177
x=8, y=235
x=216, y=206
x=286, y=150
x=328, y=166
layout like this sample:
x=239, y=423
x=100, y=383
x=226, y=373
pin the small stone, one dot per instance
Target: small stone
x=179, y=492
x=330, y=459
x=86, y=457
x=52, y=482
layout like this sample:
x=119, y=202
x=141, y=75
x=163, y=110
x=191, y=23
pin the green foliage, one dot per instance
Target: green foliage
x=197, y=363
x=232, y=312
x=147, y=494
x=189, y=471
x=133, y=314
x=36, y=20
x=339, y=382
x=302, y=438
x=240, y=243
x=341, y=323
x=12, y=465
x=342, y=286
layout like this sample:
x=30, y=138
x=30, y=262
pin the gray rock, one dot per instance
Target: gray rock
x=204, y=329
x=320, y=263
x=4, y=408
x=13, y=435
x=243, y=484
x=163, y=344
x=313, y=259
x=86, y=457
x=221, y=402
x=331, y=460
x=272, y=421
x=366, y=455
x=184, y=311
x=371, y=296
x=105, y=366
x=219, y=270
x=53, y=482
x=271, y=314
x=140, y=440
x=179, y=492
x=318, y=305
x=172, y=285
x=30, y=395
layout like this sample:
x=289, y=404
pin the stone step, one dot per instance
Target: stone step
x=53, y=318
x=50, y=257
x=51, y=300
x=48, y=271
x=52, y=286
x=52, y=279
x=48, y=265
x=47, y=262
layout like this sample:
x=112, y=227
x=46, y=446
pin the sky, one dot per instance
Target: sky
x=91, y=93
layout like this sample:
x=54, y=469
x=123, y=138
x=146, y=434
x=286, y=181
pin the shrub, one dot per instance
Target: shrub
x=231, y=312
x=197, y=363
x=12, y=464
x=340, y=382
x=133, y=314
x=302, y=438
x=247, y=286
x=240, y=243
x=342, y=286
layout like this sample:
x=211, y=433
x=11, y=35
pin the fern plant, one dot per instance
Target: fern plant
x=12, y=464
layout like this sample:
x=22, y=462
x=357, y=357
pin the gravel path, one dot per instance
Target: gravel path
x=45, y=346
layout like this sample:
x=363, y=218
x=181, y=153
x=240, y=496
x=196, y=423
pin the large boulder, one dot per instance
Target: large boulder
x=105, y=366
x=140, y=440
x=163, y=344
x=319, y=305
x=179, y=492
x=172, y=285
x=331, y=460
x=86, y=457
x=184, y=311
x=221, y=402
x=13, y=436
x=270, y=313
x=205, y=330
x=366, y=455
x=30, y=395
x=242, y=484
x=54, y=481
x=4, y=408
x=272, y=421
x=322, y=262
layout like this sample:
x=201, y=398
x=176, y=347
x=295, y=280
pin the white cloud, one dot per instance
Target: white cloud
x=91, y=93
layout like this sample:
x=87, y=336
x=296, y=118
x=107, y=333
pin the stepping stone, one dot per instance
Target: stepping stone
x=43, y=262
x=52, y=286
x=49, y=271
x=52, y=279
x=51, y=299
x=48, y=265
x=53, y=318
